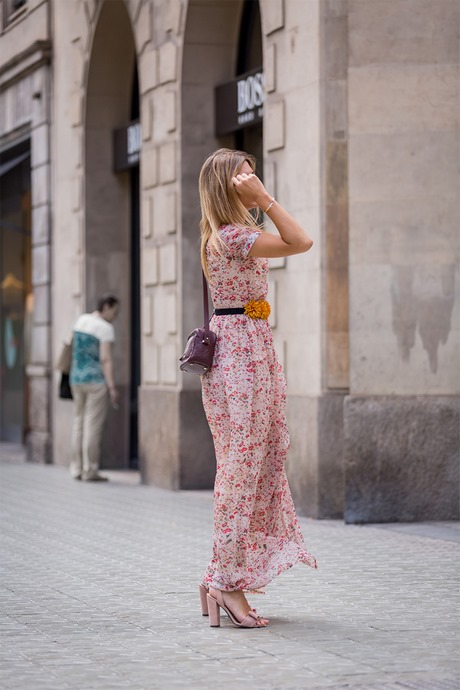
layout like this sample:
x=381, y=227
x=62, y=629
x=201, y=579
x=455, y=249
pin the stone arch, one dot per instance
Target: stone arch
x=107, y=238
x=206, y=62
x=209, y=58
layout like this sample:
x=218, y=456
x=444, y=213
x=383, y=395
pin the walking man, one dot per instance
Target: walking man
x=92, y=383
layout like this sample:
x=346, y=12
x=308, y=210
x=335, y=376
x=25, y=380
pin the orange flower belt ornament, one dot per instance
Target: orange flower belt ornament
x=257, y=309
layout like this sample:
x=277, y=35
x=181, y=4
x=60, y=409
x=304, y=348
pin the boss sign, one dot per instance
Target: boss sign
x=250, y=96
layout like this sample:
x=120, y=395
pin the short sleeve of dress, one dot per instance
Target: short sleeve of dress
x=238, y=240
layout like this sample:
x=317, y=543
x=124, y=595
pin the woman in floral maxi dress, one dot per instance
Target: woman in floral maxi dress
x=256, y=532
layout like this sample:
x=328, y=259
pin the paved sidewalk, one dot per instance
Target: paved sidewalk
x=98, y=591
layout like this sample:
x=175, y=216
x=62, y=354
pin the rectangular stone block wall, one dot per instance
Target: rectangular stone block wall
x=401, y=419
x=403, y=91
x=401, y=458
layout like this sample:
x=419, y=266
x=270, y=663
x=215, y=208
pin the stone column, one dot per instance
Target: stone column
x=25, y=94
x=39, y=448
x=402, y=416
x=306, y=148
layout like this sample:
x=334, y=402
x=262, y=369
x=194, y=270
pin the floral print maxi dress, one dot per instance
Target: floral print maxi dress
x=256, y=532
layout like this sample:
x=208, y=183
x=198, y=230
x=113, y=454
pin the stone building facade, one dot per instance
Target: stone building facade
x=357, y=136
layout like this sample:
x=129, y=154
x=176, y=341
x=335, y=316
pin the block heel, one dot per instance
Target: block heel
x=214, y=612
x=203, y=599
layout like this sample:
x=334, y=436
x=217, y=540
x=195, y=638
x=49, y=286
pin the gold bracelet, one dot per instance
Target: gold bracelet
x=270, y=205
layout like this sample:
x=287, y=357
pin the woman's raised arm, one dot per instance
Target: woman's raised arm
x=292, y=237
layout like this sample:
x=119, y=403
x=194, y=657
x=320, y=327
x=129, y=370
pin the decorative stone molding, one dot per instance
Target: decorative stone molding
x=90, y=10
x=41, y=264
x=147, y=315
x=275, y=126
x=76, y=271
x=270, y=178
x=41, y=224
x=40, y=185
x=76, y=109
x=270, y=68
x=40, y=145
x=147, y=213
x=169, y=111
x=171, y=313
x=167, y=162
x=148, y=71
x=171, y=212
x=134, y=9
x=168, y=363
x=150, y=266
x=143, y=28
x=172, y=20
x=77, y=194
x=150, y=361
x=168, y=263
x=168, y=62
x=146, y=118
x=41, y=313
x=164, y=211
x=149, y=168
x=272, y=15
x=39, y=53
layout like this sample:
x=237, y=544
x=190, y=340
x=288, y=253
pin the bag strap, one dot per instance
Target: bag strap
x=205, y=301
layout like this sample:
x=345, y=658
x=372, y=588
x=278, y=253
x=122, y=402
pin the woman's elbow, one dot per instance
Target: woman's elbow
x=306, y=244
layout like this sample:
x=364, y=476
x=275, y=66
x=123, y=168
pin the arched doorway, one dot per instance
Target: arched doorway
x=112, y=211
x=236, y=50
x=222, y=43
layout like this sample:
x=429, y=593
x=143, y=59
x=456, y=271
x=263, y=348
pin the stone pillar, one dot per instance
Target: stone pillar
x=94, y=66
x=73, y=24
x=402, y=415
x=39, y=447
x=305, y=168
x=25, y=94
x=171, y=417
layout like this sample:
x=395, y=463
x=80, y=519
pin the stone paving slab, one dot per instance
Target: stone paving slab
x=98, y=591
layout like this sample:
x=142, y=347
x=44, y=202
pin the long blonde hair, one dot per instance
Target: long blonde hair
x=220, y=203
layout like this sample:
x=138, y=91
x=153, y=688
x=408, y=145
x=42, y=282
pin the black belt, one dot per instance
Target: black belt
x=231, y=310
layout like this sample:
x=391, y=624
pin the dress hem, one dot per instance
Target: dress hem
x=308, y=559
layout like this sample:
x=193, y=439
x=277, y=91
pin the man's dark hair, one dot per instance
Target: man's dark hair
x=107, y=299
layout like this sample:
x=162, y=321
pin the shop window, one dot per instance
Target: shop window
x=16, y=297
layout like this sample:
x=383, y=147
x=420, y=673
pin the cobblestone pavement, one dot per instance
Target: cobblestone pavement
x=98, y=591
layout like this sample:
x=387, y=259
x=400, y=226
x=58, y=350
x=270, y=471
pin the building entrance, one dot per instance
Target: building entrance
x=112, y=151
x=239, y=104
x=250, y=139
x=16, y=300
x=135, y=378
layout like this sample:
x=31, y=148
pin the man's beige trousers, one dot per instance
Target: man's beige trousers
x=91, y=403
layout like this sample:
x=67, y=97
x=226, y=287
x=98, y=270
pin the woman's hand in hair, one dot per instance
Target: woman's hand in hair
x=250, y=189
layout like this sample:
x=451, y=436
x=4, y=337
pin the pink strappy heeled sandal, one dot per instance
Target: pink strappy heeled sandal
x=204, y=601
x=215, y=603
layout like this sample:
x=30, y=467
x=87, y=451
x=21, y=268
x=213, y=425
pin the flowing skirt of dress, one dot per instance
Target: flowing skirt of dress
x=256, y=532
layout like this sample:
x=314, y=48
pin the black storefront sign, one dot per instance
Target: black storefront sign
x=127, y=142
x=240, y=103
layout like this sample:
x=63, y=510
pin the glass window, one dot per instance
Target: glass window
x=16, y=301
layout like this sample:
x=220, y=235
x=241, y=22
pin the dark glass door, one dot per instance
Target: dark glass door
x=16, y=300
x=249, y=57
x=135, y=378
